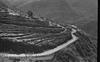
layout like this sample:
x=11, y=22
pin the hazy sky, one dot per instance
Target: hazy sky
x=18, y=2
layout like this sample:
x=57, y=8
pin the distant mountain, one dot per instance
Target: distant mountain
x=91, y=28
x=86, y=7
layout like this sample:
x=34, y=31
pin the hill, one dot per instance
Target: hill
x=75, y=12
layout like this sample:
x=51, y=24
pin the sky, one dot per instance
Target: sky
x=18, y=2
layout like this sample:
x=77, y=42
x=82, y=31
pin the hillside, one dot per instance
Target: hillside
x=75, y=12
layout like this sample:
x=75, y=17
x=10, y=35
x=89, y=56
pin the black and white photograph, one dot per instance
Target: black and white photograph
x=48, y=30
